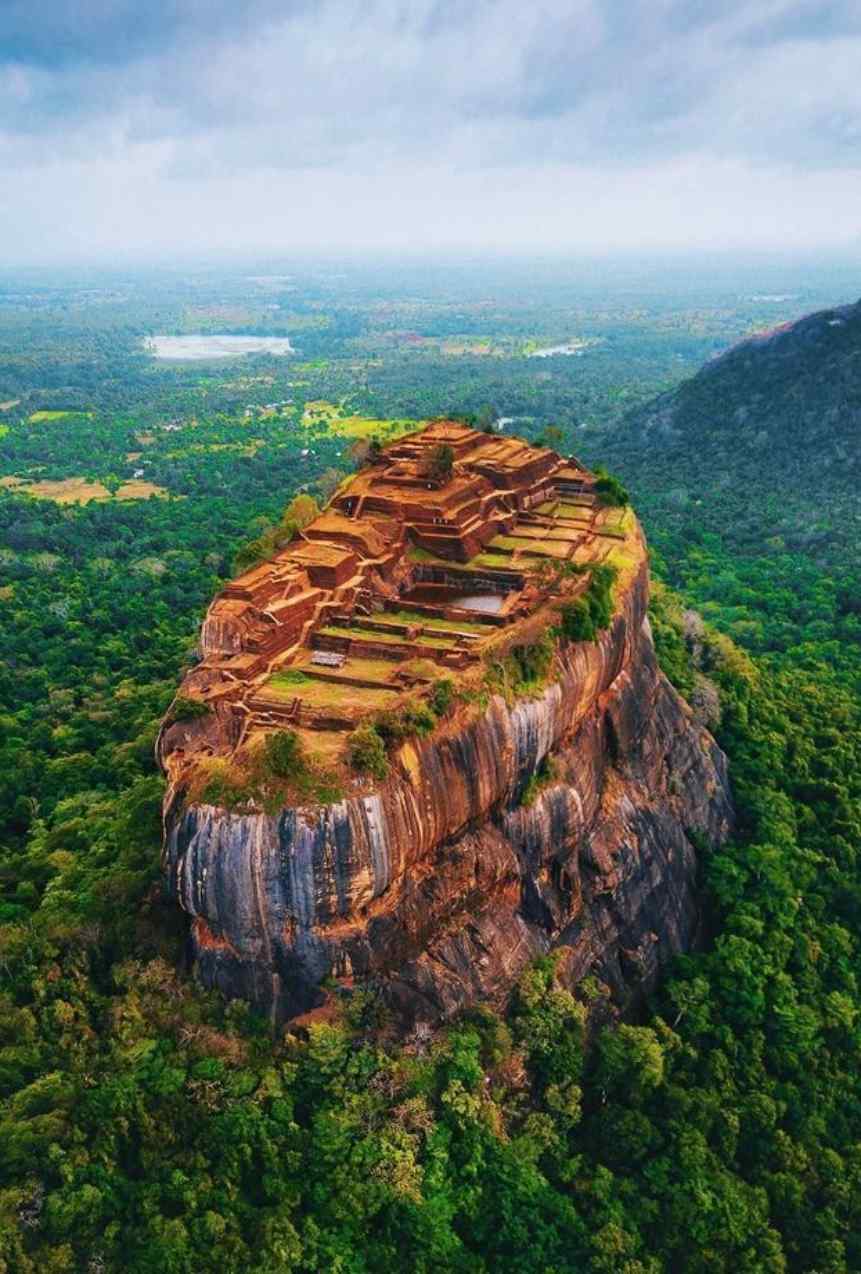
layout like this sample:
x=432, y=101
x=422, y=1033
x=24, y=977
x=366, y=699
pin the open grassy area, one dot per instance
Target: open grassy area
x=332, y=416
x=39, y=417
x=335, y=695
x=576, y=511
x=138, y=489
x=417, y=554
x=529, y=547
x=617, y=521
x=389, y=638
x=432, y=621
x=395, y=639
x=494, y=561
x=335, y=630
x=545, y=548
x=79, y=490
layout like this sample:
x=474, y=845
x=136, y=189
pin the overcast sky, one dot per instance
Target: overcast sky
x=163, y=127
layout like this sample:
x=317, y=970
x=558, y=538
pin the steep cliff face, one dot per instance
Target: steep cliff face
x=441, y=884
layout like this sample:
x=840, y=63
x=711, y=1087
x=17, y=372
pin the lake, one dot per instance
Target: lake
x=574, y=348
x=193, y=348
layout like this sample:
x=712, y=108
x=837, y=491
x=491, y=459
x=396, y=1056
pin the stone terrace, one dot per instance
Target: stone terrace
x=404, y=577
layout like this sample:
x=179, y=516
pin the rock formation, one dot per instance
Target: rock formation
x=561, y=817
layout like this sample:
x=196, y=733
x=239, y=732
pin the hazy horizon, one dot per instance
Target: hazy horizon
x=134, y=135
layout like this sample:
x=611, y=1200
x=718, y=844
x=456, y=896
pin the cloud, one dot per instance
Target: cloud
x=151, y=112
x=57, y=34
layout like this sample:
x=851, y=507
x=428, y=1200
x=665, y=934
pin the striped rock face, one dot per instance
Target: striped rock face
x=440, y=885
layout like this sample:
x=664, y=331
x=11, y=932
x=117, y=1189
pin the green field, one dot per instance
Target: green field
x=39, y=417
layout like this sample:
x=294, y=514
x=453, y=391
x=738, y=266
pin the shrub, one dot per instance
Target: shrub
x=367, y=752
x=420, y=718
x=543, y=775
x=394, y=727
x=533, y=661
x=586, y=616
x=577, y=623
x=600, y=595
x=442, y=695
x=282, y=754
x=273, y=536
x=440, y=463
x=185, y=709
x=609, y=489
x=523, y=669
x=420, y=669
x=552, y=437
x=224, y=784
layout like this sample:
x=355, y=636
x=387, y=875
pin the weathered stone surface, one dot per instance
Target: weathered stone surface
x=441, y=885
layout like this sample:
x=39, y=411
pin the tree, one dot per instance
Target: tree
x=367, y=752
x=283, y=753
x=609, y=489
x=440, y=463
x=486, y=419
x=552, y=437
x=301, y=510
x=630, y=1062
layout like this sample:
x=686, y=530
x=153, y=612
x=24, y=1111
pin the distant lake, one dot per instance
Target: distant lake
x=574, y=348
x=187, y=348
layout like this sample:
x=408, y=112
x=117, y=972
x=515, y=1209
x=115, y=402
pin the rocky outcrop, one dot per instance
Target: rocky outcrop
x=441, y=884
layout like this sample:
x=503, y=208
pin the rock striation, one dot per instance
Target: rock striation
x=439, y=883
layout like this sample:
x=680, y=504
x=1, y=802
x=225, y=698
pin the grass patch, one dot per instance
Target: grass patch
x=393, y=639
x=291, y=677
x=185, y=709
x=333, y=695
x=559, y=549
x=39, y=417
x=389, y=639
x=542, y=777
x=80, y=490
x=431, y=621
x=618, y=520
x=138, y=489
x=417, y=554
x=493, y=561
x=371, y=743
x=276, y=771
x=322, y=412
x=580, y=511
x=523, y=671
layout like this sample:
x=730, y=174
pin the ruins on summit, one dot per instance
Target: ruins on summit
x=445, y=538
x=403, y=760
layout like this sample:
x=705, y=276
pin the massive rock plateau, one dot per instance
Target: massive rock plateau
x=438, y=884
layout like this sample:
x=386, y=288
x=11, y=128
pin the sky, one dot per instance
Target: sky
x=158, y=128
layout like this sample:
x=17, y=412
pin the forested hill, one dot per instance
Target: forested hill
x=790, y=397
x=782, y=408
x=756, y=457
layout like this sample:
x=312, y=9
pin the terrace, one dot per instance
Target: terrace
x=401, y=575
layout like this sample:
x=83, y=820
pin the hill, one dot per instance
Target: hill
x=757, y=458
x=428, y=742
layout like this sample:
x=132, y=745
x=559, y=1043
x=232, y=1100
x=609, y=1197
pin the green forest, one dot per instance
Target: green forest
x=146, y=1125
